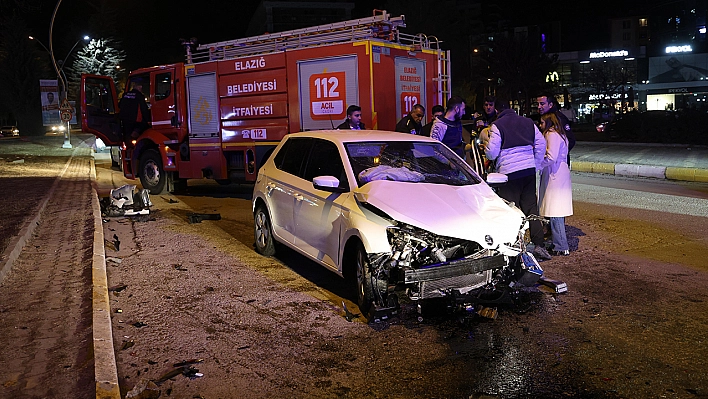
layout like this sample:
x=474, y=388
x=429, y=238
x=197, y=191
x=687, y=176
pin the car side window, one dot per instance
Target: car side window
x=291, y=157
x=324, y=160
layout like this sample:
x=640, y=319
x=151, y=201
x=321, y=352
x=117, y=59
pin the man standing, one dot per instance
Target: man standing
x=353, y=121
x=448, y=128
x=490, y=114
x=411, y=122
x=437, y=111
x=518, y=147
x=547, y=103
x=134, y=112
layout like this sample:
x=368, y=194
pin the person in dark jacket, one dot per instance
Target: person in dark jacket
x=437, y=111
x=448, y=128
x=547, y=103
x=411, y=122
x=490, y=114
x=134, y=112
x=353, y=121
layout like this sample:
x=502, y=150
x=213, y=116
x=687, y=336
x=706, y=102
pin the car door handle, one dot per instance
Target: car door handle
x=299, y=197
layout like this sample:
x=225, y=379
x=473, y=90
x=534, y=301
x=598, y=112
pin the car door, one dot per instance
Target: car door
x=281, y=182
x=319, y=215
x=99, y=105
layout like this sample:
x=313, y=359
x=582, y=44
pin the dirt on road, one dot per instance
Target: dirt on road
x=632, y=325
x=197, y=312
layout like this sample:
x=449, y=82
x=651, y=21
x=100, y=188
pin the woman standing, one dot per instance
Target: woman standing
x=555, y=193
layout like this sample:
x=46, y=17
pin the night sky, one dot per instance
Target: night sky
x=151, y=29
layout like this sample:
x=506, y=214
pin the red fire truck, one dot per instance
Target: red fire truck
x=219, y=113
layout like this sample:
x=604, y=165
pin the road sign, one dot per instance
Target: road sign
x=65, y=106
x=66, y=116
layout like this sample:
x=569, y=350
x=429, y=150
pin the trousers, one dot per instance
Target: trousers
x=522, y=192
x=560, y=240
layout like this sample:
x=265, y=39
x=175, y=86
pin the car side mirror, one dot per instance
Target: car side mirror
x=497, y=179
x=328, y=183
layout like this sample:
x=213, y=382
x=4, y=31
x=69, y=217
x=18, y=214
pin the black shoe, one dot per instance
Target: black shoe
x=540, y=253
x=561, y=253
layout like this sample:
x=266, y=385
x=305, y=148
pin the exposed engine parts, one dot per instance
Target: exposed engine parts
x=429, y=266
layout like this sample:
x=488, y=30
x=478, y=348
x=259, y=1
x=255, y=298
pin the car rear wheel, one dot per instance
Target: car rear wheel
x=359, y=279
x=152, y=176
x=263, y=232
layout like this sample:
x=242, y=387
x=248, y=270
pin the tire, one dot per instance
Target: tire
x=152, y=175
x=263, y=232
x=359, y=279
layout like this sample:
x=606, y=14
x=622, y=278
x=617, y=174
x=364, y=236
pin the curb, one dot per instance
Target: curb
x=632, y=170
x=105, y=369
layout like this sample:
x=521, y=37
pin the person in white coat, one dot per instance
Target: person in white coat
x=555, y=192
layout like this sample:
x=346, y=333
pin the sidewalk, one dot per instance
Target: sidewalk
x=54, y=273
x=661, y=161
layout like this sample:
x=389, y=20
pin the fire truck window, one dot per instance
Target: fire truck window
x=290, y=158
x=163, y=86
x=324, y=160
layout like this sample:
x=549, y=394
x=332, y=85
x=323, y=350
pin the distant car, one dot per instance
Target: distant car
x=58, y=128
x=8, y=131
x=386, y=210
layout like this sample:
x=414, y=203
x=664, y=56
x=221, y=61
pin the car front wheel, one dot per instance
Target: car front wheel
x=359, y=278
x=263, y=232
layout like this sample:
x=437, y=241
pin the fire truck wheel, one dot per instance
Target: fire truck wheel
x=152, y=176
x=263, y=233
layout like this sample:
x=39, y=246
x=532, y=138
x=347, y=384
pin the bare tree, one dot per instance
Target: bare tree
x=99, y=57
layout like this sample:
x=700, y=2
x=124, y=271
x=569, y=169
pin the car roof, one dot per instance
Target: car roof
x=349, y=136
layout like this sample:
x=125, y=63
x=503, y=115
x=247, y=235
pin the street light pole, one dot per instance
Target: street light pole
x=67, y=132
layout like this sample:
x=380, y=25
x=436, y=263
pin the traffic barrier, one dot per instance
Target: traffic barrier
x=687, y=174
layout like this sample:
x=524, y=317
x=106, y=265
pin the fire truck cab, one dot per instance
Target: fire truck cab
x=218, y=114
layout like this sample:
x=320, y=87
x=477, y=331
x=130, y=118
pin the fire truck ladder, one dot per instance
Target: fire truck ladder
x=443, y=79
x=381, y=26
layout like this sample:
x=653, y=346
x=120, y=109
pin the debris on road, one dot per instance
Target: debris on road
x=188, y=371
x=198, y=217
x=170, y=200
x=117, y=288
x=125, y=201
x=187, y=362
x=116, y=242
x=556, y=285
x=348, y=314
x=489, y=313
x=144, y=389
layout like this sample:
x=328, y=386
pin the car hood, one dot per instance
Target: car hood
x=470, y=212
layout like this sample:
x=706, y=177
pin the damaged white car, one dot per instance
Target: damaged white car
x=392, y=212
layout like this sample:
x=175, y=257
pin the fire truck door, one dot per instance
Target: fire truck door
x=162, y=110
x=99, y=104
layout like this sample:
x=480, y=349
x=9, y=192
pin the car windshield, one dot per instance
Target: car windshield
x=408, y=161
